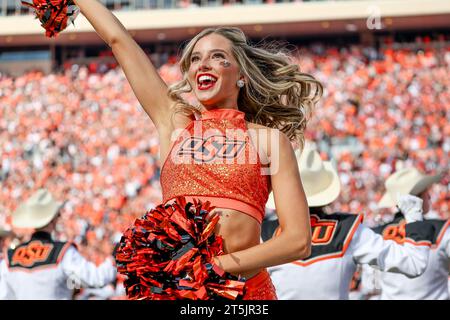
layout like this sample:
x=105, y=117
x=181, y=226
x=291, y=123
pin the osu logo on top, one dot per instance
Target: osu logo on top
x=213, y=147
x=34, y=252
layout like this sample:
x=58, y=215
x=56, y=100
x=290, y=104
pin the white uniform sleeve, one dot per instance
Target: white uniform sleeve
x=86, y=273
x=6, y=292
x=446, y=242
x=370, y=248
x=369, y=280
x=97, y=293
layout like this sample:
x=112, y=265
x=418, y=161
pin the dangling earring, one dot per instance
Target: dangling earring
x=240, y=83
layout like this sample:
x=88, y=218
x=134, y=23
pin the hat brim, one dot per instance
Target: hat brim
x=328, y=195
x=25, y=218
x=321, y=198
x=4, y=233
x=387, y=200
x=425, y=183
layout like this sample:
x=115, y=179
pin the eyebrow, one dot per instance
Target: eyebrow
x=210, y=51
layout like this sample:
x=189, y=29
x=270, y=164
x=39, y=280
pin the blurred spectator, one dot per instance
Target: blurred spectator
x=81, y=134
x=379, y=115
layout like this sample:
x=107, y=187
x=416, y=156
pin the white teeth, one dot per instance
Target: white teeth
x=205, y=78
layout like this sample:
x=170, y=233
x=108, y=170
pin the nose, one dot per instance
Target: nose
x=204, y=64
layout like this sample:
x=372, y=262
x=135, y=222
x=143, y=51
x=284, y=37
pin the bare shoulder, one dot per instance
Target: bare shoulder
x=180, y=120
x=262, y=130
x=171, y=128
x=270, y=139
x=258, y=126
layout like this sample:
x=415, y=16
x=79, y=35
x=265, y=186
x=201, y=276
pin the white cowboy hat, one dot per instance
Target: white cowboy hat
x=38, y=211
x=4, y=232
x=320, y=180
x=406, y=181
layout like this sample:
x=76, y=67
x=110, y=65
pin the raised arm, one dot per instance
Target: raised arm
x=410, y=259
x=149, y=88
x=86, y=273
x=294, y=241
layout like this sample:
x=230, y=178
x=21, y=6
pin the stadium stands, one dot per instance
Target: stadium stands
x=13, y=7
x=80, y=131
x=83, y=133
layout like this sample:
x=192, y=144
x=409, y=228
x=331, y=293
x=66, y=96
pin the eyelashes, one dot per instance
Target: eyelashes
x=215, y=56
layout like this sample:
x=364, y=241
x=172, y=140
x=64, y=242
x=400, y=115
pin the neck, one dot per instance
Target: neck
x=42, y=235
x=222, y=105
x=317, y=209
x=48, y=228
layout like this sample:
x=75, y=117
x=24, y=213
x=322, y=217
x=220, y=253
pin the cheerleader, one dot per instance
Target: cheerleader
x=231, y=150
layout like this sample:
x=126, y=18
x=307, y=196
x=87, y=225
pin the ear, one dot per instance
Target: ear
x=244, y=78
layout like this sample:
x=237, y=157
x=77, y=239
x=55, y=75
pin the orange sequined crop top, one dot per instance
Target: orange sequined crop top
x=213, y=159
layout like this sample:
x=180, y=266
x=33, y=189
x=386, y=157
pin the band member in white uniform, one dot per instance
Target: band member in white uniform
x=43, y=268
x=433, y=283
x=340, y=241
x=3, y=235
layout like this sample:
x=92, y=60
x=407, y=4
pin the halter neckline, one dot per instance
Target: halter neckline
x=222, y=113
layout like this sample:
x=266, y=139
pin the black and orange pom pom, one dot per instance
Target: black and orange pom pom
x=54, y=15
x=168, y=255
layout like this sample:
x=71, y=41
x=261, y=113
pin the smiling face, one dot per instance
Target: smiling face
x=213, y=72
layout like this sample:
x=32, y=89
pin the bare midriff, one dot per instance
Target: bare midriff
x=239, y=232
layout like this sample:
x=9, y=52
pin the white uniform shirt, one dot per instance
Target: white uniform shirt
x=329, y=276
x=104, y=293
x=370, y=283
x=449, y=286
x=1, y=261
x=54, y=281
x=432, y=284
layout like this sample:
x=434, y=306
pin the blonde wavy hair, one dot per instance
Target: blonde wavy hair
x=276, y=94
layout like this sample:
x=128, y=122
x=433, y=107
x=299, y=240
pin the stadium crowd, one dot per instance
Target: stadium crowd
x=9, y=7
x=82, y=134
x=395, y=105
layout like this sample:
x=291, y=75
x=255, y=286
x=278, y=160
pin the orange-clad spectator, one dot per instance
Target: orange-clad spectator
x=81, y=134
